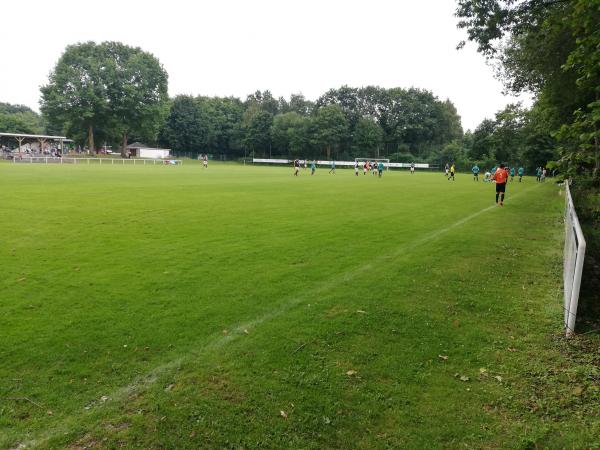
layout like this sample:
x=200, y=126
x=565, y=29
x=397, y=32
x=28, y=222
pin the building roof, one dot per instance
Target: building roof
x=136, y=145
x=34, y=136
x=139, y=145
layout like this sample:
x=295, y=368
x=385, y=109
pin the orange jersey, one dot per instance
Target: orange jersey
x=501, y=176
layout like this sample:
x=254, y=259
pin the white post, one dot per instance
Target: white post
x=100, y=161
x=581, y=245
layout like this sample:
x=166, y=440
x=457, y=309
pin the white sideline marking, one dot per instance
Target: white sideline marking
x=238, y=331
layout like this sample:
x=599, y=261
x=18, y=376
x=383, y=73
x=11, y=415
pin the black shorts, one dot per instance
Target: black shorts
x=500, y=187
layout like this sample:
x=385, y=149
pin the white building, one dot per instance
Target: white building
x=139, y=150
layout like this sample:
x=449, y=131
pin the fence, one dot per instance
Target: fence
x=91, y=161
x=572, y=262
x=339, y=163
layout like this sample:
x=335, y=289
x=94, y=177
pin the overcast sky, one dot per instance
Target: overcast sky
x=234, y=47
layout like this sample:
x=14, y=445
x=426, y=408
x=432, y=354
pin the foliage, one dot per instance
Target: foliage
x=186, y=126
x=257, y=124
x=75, y=95
x=106, y=88
x=368, y=136
x=19, y=119
x=550, y=48
x=136, y=91
x=331, y=128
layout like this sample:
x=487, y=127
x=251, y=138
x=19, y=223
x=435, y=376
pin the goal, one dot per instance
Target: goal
x=572, y=262
x=386, y=162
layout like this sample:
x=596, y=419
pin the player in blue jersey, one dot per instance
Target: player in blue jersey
x=475, y=170
x=332, y=167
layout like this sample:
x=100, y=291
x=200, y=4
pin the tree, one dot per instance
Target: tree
x=186, y=127
x=483, y=145
x=19, y=119
x=225, y=118
x=257, y=129
x=76, y=92
x=549, y=48
x=290, y=134
x=331, y=127
x=136, y=90
x=368, y=135
x=108, y=87
x=508, y=134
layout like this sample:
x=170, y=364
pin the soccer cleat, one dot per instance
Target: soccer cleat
x=501, y=203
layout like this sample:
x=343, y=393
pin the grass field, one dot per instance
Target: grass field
x=240, y=307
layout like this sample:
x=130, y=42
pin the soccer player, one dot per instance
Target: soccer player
x=521, y=172
x=313, y=167
x=365, y=167
x=501, y=176
x=452, y=170
x=380, y=168
x=332, y=167
x=538, y=174
x=205, y=161
x=475, y=170
x=356, y=168
x=544, y=174
x=512, y=173
x=412, y=168
x=447, y=168
x=296, y=167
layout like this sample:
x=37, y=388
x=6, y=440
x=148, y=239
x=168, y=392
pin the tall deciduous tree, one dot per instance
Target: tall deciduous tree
x=76, y=91
x=257, y=129
x=109, y=86
x=550, y=48
x=136, y=90
x=186, y=127
x=331, y=127
x=368, y=136
x=19, y=119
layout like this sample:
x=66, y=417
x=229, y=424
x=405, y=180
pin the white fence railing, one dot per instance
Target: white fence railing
x=337, y=163
x=92, y=161
x=572, y=262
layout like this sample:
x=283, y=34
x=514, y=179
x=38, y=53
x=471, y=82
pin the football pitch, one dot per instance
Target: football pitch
x=243, y=307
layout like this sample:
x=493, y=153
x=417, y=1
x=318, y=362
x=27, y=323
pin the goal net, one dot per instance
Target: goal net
x=361, y=161
x=572, y=262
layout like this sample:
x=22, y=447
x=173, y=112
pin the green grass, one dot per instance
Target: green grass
x=176, y=307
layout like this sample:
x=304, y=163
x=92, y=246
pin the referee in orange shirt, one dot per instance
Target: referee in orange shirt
x=501, y=176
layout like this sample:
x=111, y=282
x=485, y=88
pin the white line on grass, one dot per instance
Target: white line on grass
x=219, y=341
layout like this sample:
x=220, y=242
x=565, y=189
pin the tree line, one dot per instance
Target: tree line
x=552, y=50
x=113, y=94
x=399, y=123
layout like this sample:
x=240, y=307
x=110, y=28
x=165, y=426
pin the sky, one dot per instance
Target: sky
x=235, y=47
